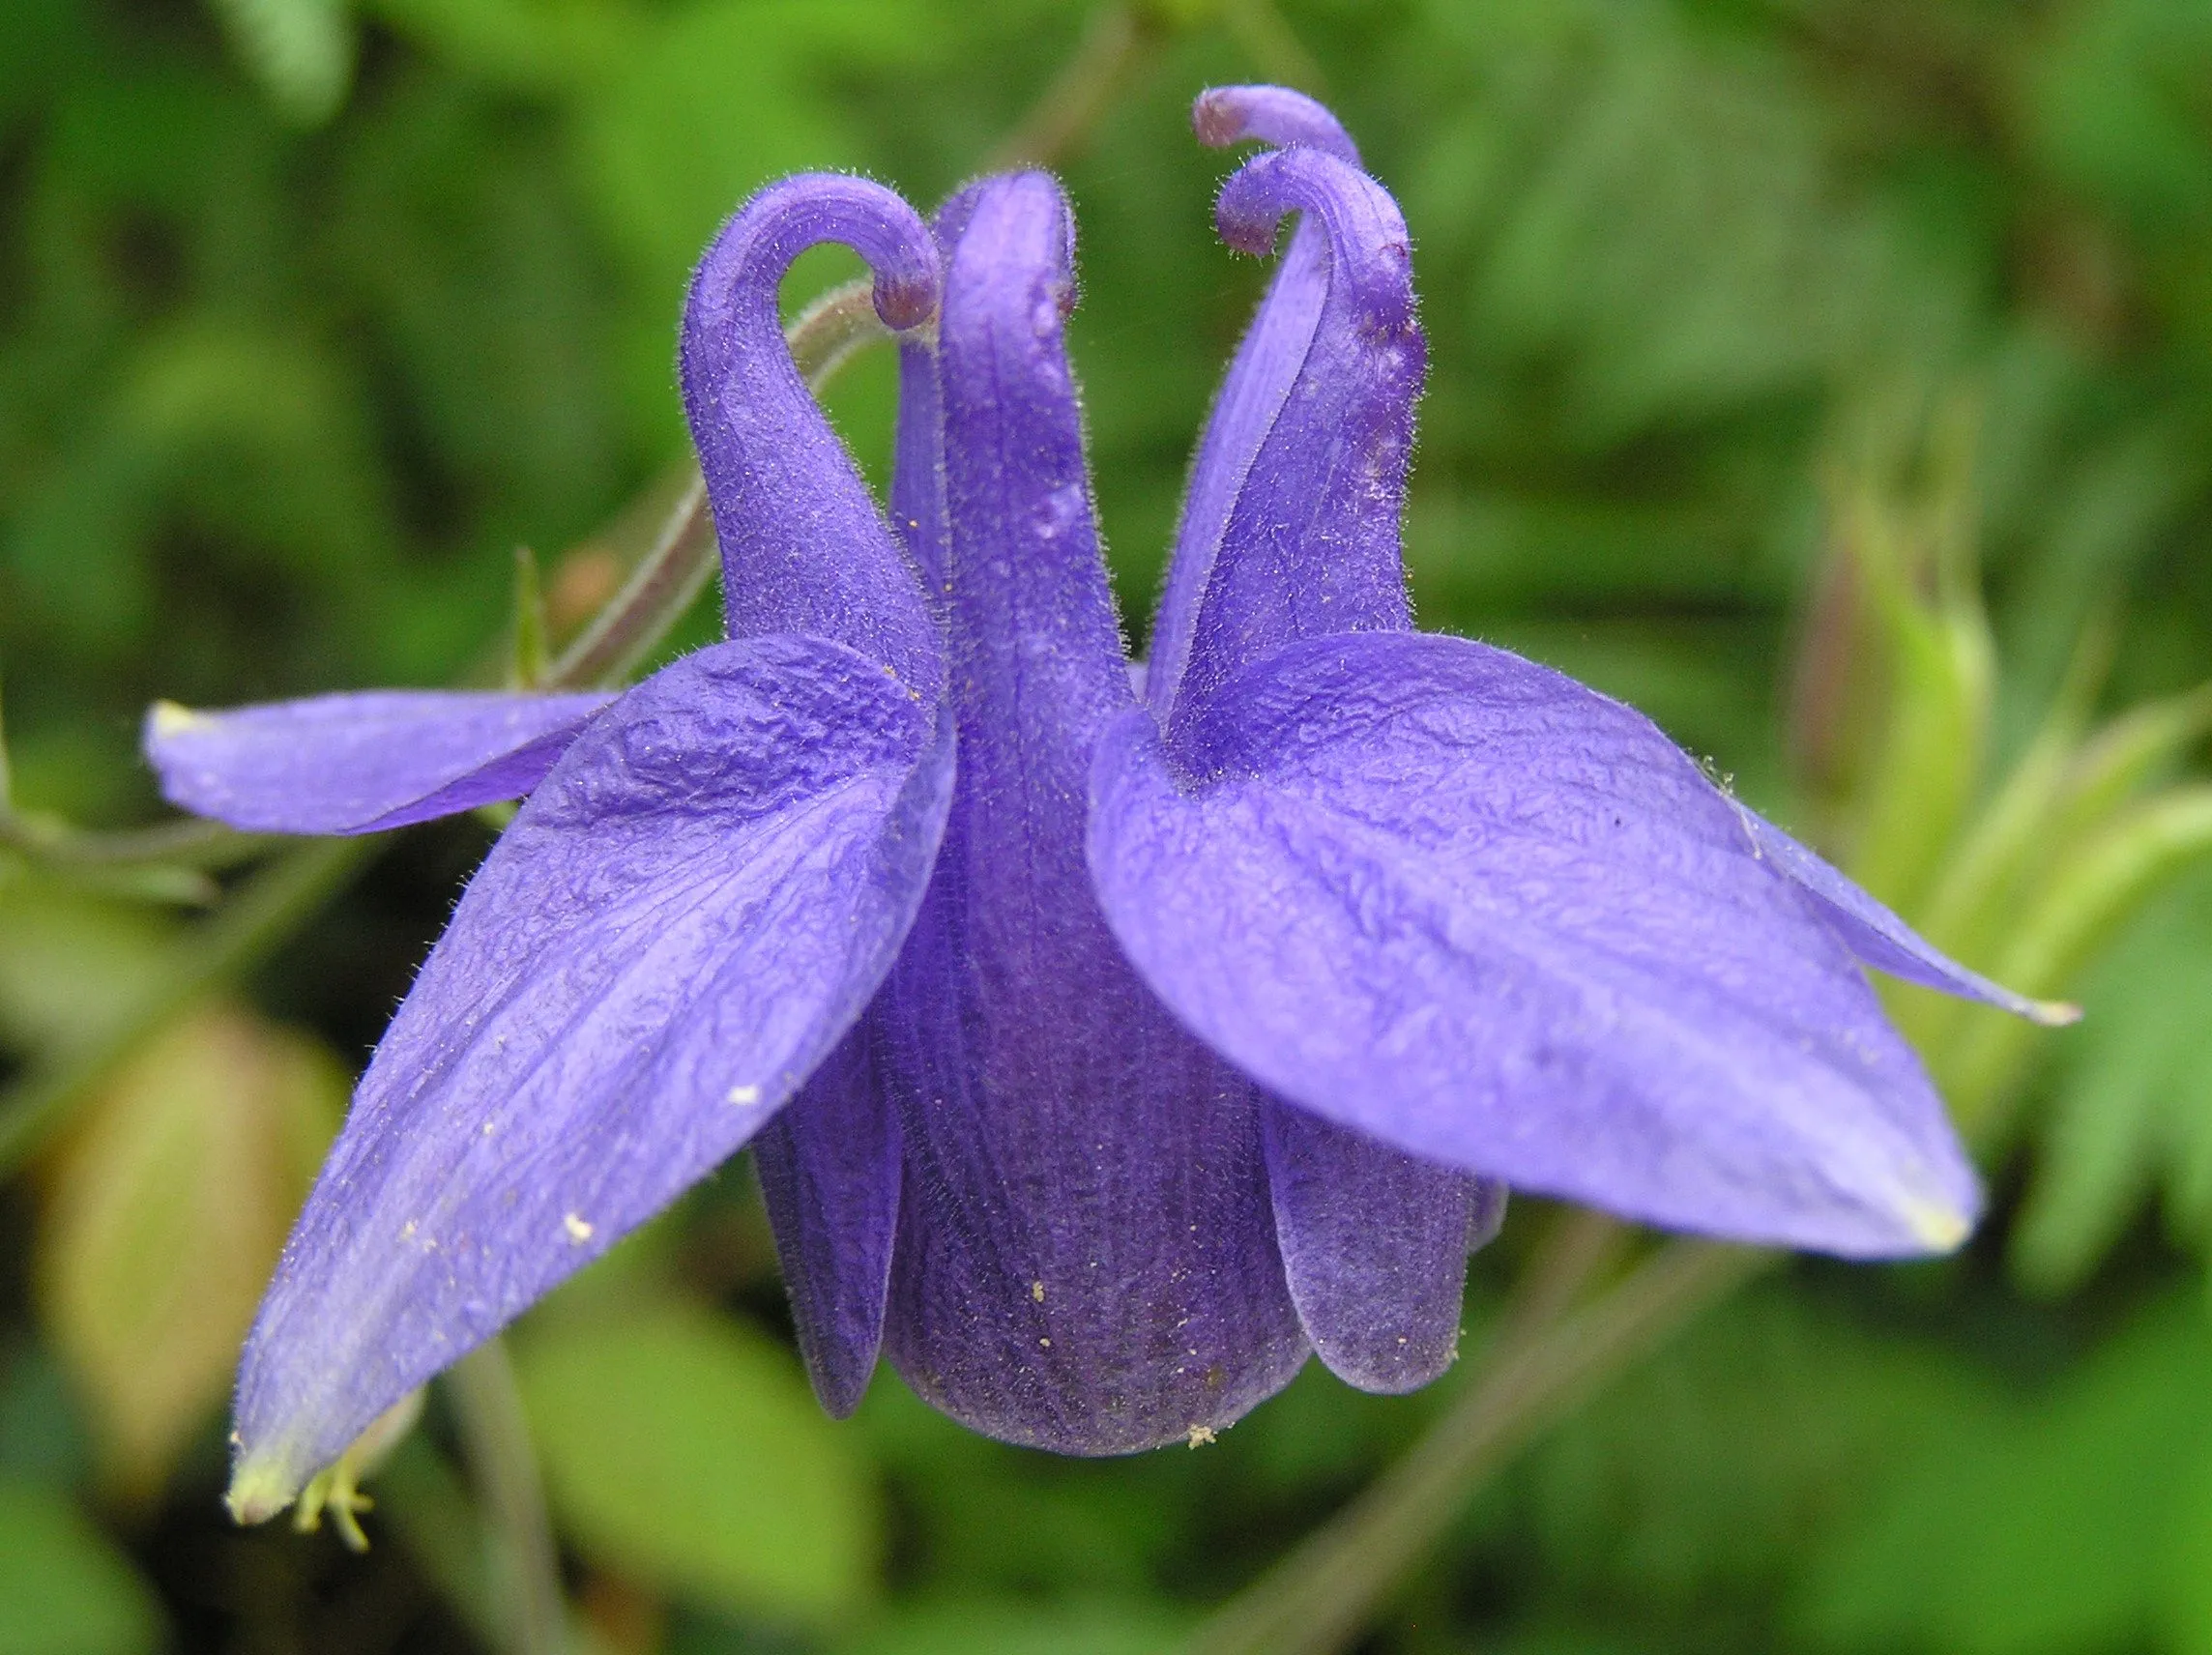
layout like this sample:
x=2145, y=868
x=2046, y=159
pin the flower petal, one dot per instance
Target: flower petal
x=1225, y=115
x=805, y=549
x=1877, y=937
x=682, y=921
x=1266, y=365
x=1307, y=536
x=1459, y=902
x=829, y=1164
x=1374, y=1245
x=829, y=1173
x=360, y=763
x=1086, y=1259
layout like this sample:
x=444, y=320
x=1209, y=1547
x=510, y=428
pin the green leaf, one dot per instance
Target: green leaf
x=2092, y=890
x=300, y=50
x=1709, y=1473
x=2111, y=107
x=71, y=964
x=164, y=1215
x=686, y=1450
x=2131, y=1108
x=532, y=45
x=2040, y=1526
x=717, y=98
x=715, y=103
x=999, y=1628
x=64, y=1590
x=527, y=653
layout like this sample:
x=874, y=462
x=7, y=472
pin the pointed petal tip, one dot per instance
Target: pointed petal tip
x=168, y=718
x=1881, y=941
x=261, y=1487
x=1940, y=1229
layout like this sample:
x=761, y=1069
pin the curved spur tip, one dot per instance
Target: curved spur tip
x=904, y=302
x=1217, y=118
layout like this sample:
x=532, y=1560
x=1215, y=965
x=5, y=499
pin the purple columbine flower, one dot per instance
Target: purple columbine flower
x=1108, y=1039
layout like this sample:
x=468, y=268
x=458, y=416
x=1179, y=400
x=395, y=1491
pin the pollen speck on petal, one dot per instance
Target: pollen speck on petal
x=578, y=1230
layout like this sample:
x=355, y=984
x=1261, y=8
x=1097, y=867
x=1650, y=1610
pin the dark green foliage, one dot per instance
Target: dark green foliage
x=310, y=315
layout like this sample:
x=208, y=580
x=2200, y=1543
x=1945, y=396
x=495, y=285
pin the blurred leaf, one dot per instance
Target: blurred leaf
x=250, y=439
x=164, y=1214
x=1654, y=212
x=2042, y=1527
x=2115, y=108
x=2131, y=1112
x=717, y=98
x=42, y=1438
x=533, y=46
x=300, y=50
x=988, y=1628
x=63, y=1589
x=684, y=1449
x=1708, y=1473
x=71, y=964
x=2092, y=889
x=1002, y=1519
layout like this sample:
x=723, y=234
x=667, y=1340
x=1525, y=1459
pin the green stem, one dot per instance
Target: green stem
x=192, y=842
x=421, y=1499
x=495, y=1438
x=659, y=590
x=268, y=908
x=1319, y=1597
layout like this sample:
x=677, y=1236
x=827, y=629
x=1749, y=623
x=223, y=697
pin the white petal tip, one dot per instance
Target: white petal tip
x=165, y=720
x=1938, y=1228
x=2053, y=1013
x=258, y=1491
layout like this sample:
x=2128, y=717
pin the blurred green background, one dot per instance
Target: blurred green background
x=1765, y=333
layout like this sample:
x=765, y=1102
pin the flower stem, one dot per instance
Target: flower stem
x=1319, y=1597
x=192, y=842
x=495, y=1438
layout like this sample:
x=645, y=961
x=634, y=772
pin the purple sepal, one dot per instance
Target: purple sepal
x=1374, y=1245
x=682, y=922
x=1455, y=900
x=1086, y=1257
x=1879, y=939
x=828, y=1169
x=360, y=763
